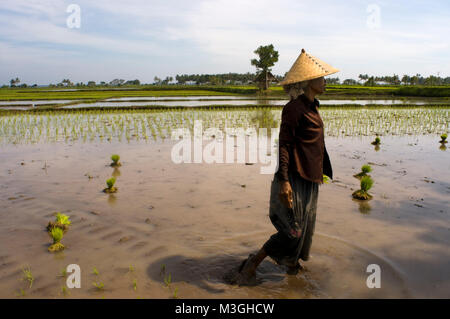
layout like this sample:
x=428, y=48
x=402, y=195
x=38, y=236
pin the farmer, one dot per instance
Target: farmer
x=303, y=160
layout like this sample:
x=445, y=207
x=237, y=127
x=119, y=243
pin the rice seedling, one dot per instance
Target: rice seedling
x=21, y=293
x=115, y=158
x=63, y=273
x=175, y=293
x=99, y=285
x=326, y=179
x=95, y=271
x=110, y=183
x=167, y=280
x=377, y=141
x=28, y=276
x=340, y=120
x=163, y=270
x=56, y=231
x=443, y=138
x=57, y=234
x=64, y=291
x=134, y=284
x=365, y=184
x=366, y=168
x=61, y=221
x=131, y=268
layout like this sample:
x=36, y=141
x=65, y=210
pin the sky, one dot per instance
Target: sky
x=141, y=39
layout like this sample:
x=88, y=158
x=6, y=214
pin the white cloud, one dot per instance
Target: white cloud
x=37, y=31
x=221, y=35
x=229, y=30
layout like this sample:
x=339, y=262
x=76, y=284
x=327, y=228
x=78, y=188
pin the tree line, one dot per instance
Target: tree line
x=249, y=79
x=262, y=78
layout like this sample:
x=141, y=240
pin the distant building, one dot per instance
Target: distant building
x=264, y=80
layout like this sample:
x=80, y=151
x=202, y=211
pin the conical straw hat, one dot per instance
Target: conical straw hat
x=307, y=67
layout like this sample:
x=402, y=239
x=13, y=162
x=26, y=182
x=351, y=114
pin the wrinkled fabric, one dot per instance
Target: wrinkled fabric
x=295, y=226
x=302, y=142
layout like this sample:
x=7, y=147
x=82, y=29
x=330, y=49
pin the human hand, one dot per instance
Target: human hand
x=285, y=194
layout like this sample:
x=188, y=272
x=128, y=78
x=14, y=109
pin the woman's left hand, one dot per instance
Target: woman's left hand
x=285, y=194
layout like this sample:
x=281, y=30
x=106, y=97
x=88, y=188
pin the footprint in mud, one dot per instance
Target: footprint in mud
x=138, y=246
x=125, y=239
x=6, y=264
x=377, y=164
x=97, y=230
x=155, y=251
x=339, y=183
x=111, y=235
x=238, y=208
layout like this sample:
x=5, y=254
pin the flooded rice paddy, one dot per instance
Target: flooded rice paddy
x=195, y=221
x=152, y=124
x=199, y=101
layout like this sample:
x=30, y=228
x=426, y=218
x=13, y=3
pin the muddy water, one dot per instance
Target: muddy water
x=197, y=221
x=197, y=101
x=34, y=102
x=194, y=103
x=24, y=104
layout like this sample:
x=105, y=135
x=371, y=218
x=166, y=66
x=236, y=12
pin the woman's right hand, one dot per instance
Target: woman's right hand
x=285, y=194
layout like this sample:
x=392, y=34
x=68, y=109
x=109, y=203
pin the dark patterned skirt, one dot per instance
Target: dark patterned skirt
x=295, y=226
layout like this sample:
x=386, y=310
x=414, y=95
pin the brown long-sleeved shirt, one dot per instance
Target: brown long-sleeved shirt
x=302, y=143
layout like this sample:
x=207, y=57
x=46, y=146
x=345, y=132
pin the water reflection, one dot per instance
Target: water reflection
x=264, y=118
x=38, y=102
x=116, y=172
x=364, y=207
x=236, y=102
x=112, y=199
x=59, y=255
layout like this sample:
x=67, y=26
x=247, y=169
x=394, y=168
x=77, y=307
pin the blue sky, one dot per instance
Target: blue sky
x=138, y=39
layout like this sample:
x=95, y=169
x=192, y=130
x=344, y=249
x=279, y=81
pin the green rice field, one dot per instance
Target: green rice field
x=52, y=126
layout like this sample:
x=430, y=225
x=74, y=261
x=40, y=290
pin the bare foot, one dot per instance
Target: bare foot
x=245, y=274
x=293, y=270
x=248, y=269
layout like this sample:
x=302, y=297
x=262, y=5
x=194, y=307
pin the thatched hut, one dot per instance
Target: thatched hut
x=263, y=79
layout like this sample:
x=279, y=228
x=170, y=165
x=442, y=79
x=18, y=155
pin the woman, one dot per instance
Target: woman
x=303, y=160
